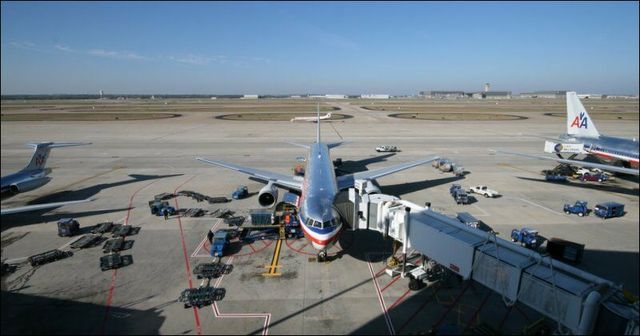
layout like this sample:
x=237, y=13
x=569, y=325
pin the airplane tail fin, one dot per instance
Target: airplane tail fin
x=41, y=153
x=318, y=130
x=578, y=121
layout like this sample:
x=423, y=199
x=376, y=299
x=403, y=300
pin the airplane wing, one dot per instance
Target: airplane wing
x=277, y=179
x=348, y=180
x=8, y=211
x=601, y=166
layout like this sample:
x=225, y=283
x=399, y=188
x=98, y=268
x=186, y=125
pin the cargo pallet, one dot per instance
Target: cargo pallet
x=120, y=230
x=114, y=261
x=47, y=257
x=101, y=228
x=212, y=270
x=86, y=241
x=117, y=245
x=202, y=296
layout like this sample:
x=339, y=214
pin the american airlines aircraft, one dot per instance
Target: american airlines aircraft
x=583, y=138
x=312, y=119
x=34, y=176
x=319, y=220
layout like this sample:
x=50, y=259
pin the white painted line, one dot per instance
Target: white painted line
x=538, y=205
x=484, y=213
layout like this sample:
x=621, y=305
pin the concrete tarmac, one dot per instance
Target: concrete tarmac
x=130, y=162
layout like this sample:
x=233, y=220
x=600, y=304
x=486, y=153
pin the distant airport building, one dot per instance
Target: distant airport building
x=214, y=98
x=590, y=96
x=487, y=87
x=492, y=95
x=544, y=94
x=374, y=96
x=250, y=96
x=335, y=96
x=442, y=94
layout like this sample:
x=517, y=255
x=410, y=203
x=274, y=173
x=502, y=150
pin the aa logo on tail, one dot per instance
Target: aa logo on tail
x=40, y=160
x=581, y=121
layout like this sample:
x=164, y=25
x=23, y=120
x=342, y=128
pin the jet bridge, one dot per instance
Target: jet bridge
x=577, y=300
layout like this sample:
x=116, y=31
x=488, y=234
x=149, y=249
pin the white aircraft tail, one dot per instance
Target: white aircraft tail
x=578, y=121
x=41, y=154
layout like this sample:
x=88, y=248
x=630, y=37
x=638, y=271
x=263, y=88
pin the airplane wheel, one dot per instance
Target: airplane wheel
x=486, y=195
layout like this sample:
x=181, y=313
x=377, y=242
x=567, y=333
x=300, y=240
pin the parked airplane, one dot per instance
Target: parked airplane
x=319, y=220
x=583, y=138
x=312, y=119
x=33, y=176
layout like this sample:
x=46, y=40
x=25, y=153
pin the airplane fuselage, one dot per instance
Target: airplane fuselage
x=611, y=148
x=24, y=181
x=319, y=220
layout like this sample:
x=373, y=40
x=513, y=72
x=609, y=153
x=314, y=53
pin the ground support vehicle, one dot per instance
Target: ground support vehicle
x=114, y=261
x=386, y=148
x=212, y=270
x=219, y=243
x=158, y=207
x=484, y=191
x=86, y=241
x=527, y=237
x=47, y=257
x=240, y=193
x=460, y=196
x=116, y=245
x=103, y=227
x=599, y=177
x=609, y=209
x=68, y=227
x=579, y=208
x=565, y=250
x=200, y=297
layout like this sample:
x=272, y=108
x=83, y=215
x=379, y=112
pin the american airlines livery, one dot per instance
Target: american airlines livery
x=582, y=137
x=34, y=176
x=319, y=220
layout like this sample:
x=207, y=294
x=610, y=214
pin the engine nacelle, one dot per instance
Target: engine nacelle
x=28, y=185
x=372, y=188
x=268, y=195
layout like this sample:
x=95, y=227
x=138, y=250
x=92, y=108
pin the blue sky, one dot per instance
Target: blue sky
x=321, y=47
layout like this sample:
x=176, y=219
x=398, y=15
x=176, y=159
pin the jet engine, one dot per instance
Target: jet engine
x=268, y=195
x=28, y=185
x=372, y=188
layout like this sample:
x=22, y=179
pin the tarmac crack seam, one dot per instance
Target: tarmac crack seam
x=218, y=314
x=115, y=271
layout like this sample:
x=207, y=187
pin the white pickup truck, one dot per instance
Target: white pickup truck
x=484, y=190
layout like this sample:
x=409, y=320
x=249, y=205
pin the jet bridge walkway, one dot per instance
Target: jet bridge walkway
x=579, y=301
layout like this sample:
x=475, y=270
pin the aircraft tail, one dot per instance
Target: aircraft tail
x=578, y=121
x=41, y=153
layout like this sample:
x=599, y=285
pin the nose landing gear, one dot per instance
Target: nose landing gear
x=322, y=256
